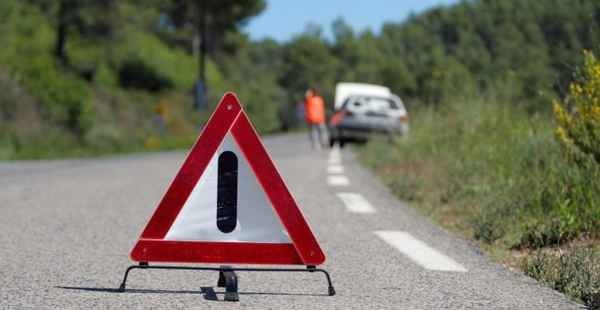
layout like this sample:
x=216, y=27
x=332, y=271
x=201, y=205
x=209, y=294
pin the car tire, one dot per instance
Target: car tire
x=331, y=142
x=341, y=142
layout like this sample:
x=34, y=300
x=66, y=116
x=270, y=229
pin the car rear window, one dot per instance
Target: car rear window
x=377, y=103
x=370, y=104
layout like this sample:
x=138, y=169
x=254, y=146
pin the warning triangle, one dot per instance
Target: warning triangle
x=228, y=203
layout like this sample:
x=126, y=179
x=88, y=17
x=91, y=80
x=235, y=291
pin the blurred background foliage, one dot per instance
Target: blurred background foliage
x=83, y=77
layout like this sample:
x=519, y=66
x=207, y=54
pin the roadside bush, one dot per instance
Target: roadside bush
x=547, y=201
x=578, y=116
x=26, y=38
x=17, y=107
x=143, y=52
x=65, y=99
x=495, y=173
x=564, y=205
x=18, y=115
x=575, y=272
x=496, y=168
x=134, y=73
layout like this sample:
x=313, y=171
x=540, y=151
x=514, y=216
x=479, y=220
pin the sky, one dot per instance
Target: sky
x=282, y=19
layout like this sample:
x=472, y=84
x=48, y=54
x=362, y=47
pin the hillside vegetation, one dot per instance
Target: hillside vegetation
x=123, y=82
x=123, y=76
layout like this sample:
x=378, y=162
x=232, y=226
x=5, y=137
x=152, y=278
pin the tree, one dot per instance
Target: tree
x=210, y=19
x=308, y=62
x=88, y=17
x=206, y=22
x=252, y=71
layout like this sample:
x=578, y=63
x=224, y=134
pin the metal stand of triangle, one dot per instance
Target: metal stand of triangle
x=227, y=276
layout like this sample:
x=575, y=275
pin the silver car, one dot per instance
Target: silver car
x=361, y=116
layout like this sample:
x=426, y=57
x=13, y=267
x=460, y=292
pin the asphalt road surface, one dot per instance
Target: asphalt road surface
x=66, y=229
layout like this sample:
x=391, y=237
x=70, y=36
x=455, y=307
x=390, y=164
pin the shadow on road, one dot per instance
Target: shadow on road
x=128, y=290
x=207, y=292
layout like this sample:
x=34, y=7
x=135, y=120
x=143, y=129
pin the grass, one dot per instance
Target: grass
x=494, y=173
x=575, y=272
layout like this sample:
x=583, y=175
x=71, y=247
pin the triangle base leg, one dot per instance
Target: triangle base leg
x=229, y=280
x=227, y=276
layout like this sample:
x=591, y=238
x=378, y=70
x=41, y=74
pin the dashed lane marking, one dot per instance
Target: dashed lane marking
x=337, y=180
x=356, y=203
x=335, y=157
x=335, y=161
x=335, y=169
x=419, y=252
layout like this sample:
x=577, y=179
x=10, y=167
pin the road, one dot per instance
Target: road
x=66, y=229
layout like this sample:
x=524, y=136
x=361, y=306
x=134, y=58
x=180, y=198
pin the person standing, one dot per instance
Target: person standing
x=314, y=114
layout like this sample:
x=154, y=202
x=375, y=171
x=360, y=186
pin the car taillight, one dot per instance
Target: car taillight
x=337, y=117
x=404, y=119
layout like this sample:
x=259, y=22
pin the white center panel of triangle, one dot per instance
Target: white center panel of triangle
x=256, y=218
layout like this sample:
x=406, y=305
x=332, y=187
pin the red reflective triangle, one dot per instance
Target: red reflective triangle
x=229, y=117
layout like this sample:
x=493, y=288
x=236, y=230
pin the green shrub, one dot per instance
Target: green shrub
x=13, y=98
x=63, y=98
x=578, y=117
x=145, y=52
x=575, y=272
x=496, y=173
x=500, y=165
x=134, y=73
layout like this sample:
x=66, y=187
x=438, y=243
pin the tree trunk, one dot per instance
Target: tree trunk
x=60, y=48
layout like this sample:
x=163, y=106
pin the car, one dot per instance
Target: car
x=365, y=110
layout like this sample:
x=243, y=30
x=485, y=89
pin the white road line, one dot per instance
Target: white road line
x=335, y=150
x=333, y=161
x=335, y=169
x=356, y=203
x=337, y=180
x=422, y=254
x=335, y=157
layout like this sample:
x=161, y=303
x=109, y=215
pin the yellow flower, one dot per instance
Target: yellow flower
x=583, y=112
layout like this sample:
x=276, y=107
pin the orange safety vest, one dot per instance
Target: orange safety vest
x=314, y=110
